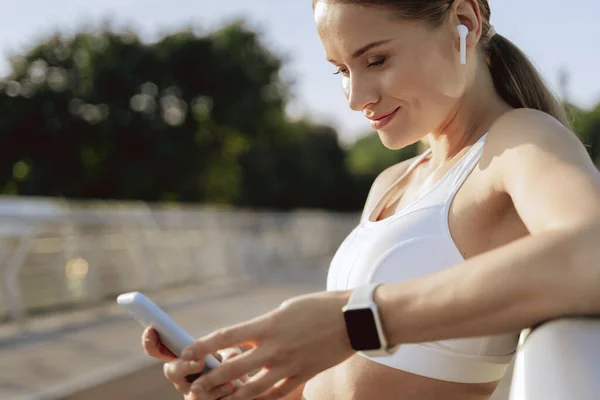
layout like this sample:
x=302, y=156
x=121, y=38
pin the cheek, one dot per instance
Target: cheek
x=430, y=84
x=412, y=85
x=443, y=73
x=429, y=87
x=404, y=82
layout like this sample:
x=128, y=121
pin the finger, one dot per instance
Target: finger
x=227, y=354
x=221, y=356
x=177, y=370
x=231, y=370
x=179, y=389
x=240, y=334
x=221, y=391
x=154, y=347
x=230, y=353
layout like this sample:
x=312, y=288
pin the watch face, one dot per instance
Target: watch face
x=362, y=329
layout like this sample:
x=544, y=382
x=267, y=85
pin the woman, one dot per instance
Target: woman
x=492, y=230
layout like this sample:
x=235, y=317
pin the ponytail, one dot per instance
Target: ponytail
x=518, y=82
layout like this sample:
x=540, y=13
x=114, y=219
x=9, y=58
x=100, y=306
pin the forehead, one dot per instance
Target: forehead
x=345, y=27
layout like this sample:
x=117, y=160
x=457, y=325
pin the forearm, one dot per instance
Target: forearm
x=505, y=290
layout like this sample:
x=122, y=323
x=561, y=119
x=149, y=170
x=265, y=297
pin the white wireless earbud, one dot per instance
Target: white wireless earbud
x=463, y=31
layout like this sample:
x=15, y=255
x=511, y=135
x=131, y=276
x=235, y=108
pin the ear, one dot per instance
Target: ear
x=466, y=12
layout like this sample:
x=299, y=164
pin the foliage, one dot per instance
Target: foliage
x=587, y=126
x=103, y=115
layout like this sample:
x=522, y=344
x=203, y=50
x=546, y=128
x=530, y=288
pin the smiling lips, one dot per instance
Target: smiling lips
x=379, y=122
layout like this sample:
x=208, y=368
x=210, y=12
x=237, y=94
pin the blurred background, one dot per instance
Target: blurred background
x=199, y=151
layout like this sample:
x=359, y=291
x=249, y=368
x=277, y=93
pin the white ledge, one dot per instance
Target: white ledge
x=559, y=360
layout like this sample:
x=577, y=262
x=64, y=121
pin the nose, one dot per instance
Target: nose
x=360, y=93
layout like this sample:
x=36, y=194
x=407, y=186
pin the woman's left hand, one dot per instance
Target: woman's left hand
x=288, y=346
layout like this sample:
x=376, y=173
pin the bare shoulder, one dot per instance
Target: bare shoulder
x=545, y=169
x=383, y=181
x=527, y=128
x=526, y=140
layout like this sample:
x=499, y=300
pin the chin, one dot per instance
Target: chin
x=395, y=141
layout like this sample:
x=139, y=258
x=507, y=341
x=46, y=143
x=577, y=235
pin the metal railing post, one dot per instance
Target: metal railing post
x=11, y=265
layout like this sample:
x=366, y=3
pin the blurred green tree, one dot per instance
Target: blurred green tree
x=308, y=170
x=103, y=115
x=586, y=124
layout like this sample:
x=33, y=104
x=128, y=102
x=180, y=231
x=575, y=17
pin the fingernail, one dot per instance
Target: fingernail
x=187, y=354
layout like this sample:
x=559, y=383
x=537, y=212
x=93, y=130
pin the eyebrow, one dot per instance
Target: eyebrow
x=366, y=48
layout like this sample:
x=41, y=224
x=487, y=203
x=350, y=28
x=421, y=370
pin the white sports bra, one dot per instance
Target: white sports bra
x=414, y=242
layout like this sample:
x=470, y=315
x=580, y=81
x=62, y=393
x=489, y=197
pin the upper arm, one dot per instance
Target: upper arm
x=545, y=169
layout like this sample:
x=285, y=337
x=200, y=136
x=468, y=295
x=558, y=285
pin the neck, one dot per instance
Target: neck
x=470, y=120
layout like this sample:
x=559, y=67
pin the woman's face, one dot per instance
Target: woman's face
x=404, y=70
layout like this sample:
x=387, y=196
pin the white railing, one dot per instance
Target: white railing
x=559, y=360
x=56, y=254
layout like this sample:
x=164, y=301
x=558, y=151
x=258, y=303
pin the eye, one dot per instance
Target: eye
x=376, y=63
x=343, y=71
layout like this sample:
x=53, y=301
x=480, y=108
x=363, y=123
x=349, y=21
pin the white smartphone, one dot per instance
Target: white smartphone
x=173, y=336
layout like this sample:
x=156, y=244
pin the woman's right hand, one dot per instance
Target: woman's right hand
x=176, y=370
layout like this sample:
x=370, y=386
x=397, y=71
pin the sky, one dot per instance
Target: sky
x=555, y=34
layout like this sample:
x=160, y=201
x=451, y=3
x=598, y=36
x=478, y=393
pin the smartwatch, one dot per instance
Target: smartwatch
x=363, y=323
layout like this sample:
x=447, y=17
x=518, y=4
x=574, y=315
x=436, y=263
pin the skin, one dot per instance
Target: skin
x=528, y=216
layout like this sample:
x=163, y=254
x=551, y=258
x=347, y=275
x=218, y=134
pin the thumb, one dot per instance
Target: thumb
x=154, y=347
